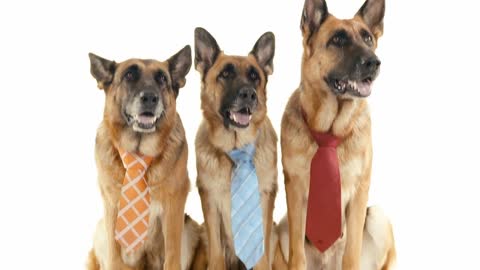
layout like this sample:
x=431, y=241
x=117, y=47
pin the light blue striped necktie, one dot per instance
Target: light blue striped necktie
x=247, y=224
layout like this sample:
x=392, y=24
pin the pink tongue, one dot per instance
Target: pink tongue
x=242, y=119
x=145, y=119
x=364, y=88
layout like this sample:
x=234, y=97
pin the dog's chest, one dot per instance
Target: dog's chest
x=218, y=183
x=218, y=180
x=351, y=167
x=154, y=241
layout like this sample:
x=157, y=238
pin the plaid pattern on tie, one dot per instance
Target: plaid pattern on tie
x=134, y=205
x=246, y=212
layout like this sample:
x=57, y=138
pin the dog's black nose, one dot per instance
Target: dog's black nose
x=370, y=64
x=149, y=98
x=247, y=94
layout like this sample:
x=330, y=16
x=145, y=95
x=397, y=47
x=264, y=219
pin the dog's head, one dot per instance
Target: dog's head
x=140, y=93
x=233, y=87
x=339, y=55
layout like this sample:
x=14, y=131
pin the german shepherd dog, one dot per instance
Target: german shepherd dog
x=233, y=101
x=140, y=117
x=339, y=66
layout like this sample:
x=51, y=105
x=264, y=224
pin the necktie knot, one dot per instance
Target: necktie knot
x=325, y=139
x=244, y=154
x=132, y=160
x=322, y=139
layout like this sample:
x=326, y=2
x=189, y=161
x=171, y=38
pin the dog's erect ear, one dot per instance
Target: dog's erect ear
x=314, y=14
x=102, y=70
x=206, y=50
x=372, y=13
x=264, y=50
x=178, y=66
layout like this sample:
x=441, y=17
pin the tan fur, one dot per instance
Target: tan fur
x=346, y=117
x=378, y=250
x=214, y=167
x=378, y=247
x=200, y=262
x=190, y=245
x=167, y=178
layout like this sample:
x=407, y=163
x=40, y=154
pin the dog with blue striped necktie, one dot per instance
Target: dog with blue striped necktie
x=236, y=155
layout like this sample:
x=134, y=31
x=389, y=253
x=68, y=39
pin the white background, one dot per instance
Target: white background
x=424, y=109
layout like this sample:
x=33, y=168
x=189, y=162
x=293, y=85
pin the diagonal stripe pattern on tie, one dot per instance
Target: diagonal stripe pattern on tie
x=246, y=212
x=134, y=204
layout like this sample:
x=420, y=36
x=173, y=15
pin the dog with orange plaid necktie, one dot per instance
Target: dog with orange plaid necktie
x=141, y=155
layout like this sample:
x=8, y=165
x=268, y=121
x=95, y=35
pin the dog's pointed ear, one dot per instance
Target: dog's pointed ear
x=206, y=50
x=264, y=50
x=372, y=13
x=178, y=66
x=102, y=70
x=314, y=14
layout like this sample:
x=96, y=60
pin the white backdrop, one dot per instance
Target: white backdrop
x=424, y=108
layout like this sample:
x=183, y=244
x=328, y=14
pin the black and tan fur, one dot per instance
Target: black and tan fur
x=224, y=79
x=139, y=89
x=338, y=67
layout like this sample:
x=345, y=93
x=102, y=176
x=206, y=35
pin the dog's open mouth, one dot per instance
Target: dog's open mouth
x=359, y=88
x=240, y=118
x=145, y=122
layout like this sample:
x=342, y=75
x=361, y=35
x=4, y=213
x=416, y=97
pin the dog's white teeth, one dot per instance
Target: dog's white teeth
x=234, y=117
x=249, y=118
x=352, y=84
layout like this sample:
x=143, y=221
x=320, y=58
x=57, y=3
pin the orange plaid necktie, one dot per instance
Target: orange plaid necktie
x=134, y=205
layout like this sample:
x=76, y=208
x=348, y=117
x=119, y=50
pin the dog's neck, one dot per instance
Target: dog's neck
x=325, y=112
x=227, y=139
x=149, y=144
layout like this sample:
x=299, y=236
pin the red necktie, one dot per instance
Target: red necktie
x=324, y=215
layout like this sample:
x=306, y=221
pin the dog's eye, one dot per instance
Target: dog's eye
x=228, y=72
x=160, y=78
x=339, y=39
x=225, y=74
x=367, y=38
x=132, y=74
x=253, y=75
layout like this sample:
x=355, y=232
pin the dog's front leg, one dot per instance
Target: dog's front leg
x=114, y=260
x=110, y=195
x=216, y=258
x=297, y=193
x=356, y=212
x=172, y=225
x=268, y=205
